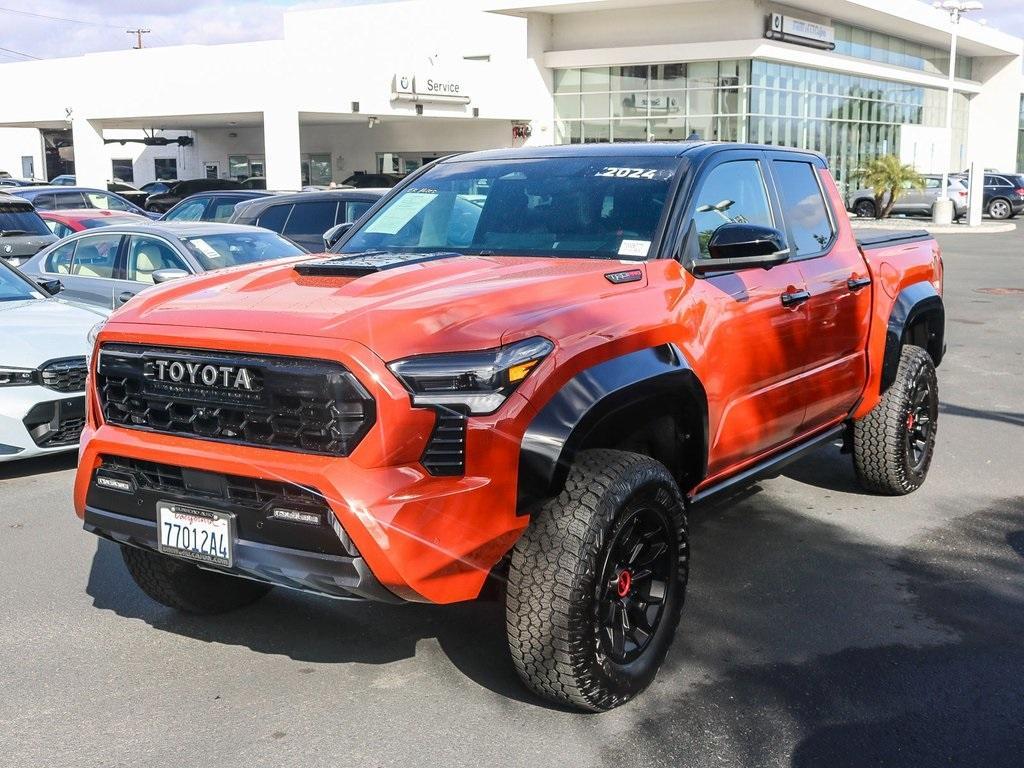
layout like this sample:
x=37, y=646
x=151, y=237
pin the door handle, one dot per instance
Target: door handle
x=794, y=298
x=856, y=283
x=124, y=297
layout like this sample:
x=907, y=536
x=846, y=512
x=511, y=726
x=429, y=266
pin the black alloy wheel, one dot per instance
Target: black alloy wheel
x=638, y=567
x=920, y=423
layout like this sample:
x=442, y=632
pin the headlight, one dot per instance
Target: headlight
x=16, y=377
x=90, y=338
x=479, y=381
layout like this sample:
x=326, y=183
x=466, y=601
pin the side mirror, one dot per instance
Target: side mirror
x=743, y=246
x=335, y=233
x=163, y=275
x=52, y=287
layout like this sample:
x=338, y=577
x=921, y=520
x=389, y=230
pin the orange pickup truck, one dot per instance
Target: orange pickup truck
x=520, y=365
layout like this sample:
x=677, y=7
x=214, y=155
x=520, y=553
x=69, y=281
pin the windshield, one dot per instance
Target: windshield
x=22, y=221
x=13, y=287
x=599, y=207
x=235, y=248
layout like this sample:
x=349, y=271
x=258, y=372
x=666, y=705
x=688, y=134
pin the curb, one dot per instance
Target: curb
x=989, y=228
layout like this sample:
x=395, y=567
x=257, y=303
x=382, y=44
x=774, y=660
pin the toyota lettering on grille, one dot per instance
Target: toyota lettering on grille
x=204, y=374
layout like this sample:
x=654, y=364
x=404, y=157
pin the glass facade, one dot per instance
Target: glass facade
x=847, y=118
x=895, y=51
x=1020, y=139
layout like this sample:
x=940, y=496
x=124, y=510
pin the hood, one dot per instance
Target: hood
x=464, y=302
x=39, y=330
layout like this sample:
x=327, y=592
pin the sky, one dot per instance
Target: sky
x=99, y=25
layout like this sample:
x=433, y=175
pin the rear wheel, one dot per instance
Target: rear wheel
x=893, y=445
x=596, y=584
x=1000, y=209
x=865, y=209
x=186, y=587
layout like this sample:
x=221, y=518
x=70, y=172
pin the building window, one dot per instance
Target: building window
x=124, y=170
x=238, y=167
x=316, y=170
x=1020, y=139
x=847, y=118
x=28, y=167
x=897, y=52
x=165, y=168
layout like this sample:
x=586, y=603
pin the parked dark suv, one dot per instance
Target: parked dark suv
x=304, y=217
x=1004, y=195
x=22, y=232
x=179, y=190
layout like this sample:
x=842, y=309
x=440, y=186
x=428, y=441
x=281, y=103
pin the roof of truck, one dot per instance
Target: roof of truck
x=618, y=149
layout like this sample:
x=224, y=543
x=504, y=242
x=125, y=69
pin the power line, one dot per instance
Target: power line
x=138, y=36
x=60, y=18
x=19, y=53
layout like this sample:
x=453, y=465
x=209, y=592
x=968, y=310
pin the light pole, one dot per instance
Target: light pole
x=956, y=9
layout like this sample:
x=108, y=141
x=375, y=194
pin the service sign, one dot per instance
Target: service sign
x=429, y=86
x=796, y=30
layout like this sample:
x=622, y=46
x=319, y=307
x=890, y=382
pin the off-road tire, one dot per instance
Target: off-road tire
x=881, y=452
x=555, y=580
x=186, y=587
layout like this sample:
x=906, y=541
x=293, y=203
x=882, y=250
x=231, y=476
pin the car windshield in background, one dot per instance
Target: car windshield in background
x=600, y=207
x=21, y=221
x=13, y=287
x=234, y=248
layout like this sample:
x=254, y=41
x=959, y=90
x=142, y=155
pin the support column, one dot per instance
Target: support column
x=282, y=150
x=92, y=167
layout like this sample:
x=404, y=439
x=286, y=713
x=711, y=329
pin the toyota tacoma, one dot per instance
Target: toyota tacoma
x=520, y=367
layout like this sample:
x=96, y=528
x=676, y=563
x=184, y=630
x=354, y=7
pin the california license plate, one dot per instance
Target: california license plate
x=197, y=534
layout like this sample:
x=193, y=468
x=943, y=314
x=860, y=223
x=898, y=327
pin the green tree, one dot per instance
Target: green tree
x=888, y=178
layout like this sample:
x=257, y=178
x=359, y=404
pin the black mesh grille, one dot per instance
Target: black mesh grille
x=309, y=406
x=64, y=375
x=251, y=500
x=445, y=454
x=68, y=433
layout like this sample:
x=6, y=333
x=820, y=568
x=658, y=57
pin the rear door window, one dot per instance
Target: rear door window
x=96, y=256
x=222, y=207
x=804, y=205
x=274, y=217
x=353, y=210
x=192, y=210
x=313, y=218
x=66, y=200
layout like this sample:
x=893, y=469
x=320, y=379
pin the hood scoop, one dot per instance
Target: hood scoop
x=364, y=264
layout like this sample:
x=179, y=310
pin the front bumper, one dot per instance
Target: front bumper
x=332, y=575
x=35, y=421
x=423, y=538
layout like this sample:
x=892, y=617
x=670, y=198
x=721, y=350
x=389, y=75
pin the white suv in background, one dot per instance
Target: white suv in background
x=42, y=367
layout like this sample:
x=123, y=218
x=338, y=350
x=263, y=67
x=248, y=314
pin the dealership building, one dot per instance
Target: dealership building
x=385, y=87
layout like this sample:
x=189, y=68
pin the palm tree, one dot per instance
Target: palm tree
x=887, y=176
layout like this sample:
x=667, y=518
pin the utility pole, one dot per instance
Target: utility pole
x=138, y=37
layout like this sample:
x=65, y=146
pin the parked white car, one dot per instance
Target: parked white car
x=42, y=367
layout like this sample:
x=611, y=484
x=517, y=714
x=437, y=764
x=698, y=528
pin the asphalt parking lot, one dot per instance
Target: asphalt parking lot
x=823, y=626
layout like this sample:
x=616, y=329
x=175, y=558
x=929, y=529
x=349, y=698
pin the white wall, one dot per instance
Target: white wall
x=16, y=143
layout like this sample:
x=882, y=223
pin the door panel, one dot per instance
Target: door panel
x=838, y=312
x=93, y=269
x=752, y=344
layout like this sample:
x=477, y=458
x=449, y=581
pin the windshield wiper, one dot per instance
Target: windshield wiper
x=12, y=232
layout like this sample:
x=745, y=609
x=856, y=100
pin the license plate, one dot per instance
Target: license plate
x=196, y=534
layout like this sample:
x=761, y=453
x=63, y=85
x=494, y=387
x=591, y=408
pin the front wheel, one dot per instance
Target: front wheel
x=186, y=587
x=1000, y=209
x=597, y=582
x=894, y=443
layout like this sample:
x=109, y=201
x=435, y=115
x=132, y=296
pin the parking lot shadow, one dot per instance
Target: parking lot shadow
x=325, y=631
x=41, y=465
x=842, y=653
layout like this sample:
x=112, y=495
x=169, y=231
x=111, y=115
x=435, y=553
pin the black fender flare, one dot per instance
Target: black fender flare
x=914, y=303
x=640, y=379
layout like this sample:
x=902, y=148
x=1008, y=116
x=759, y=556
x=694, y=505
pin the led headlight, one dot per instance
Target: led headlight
x=16, y=377
x=90, y=338
x=479, y=381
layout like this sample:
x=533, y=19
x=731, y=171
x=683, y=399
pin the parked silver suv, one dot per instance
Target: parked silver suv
x=914, y=200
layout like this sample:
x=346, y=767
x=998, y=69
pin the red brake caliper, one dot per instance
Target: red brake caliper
x=624, y=583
